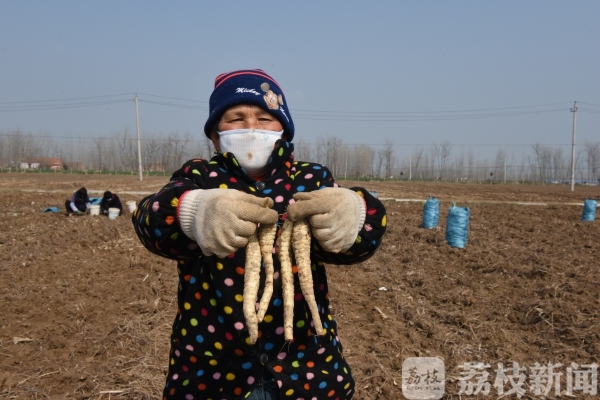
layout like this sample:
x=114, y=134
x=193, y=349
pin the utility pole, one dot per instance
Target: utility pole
x=137, y=124
x=410, y=168
x=574, y=111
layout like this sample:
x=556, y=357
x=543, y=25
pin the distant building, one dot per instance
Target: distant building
x=29, y=164
x=50, y=163
x=41, y=163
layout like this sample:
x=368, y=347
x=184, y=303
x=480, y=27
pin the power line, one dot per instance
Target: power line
x=98, y=97
x=434, y=112
x=174, y=98
x=300, y=114
x=70, y=99
x=589, y=104
x=318, y=115
x=418, y=118
x=120, y=138
x=173, y=105
x=588, y=111
x=58, y=106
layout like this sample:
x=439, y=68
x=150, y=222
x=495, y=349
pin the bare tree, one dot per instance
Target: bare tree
x=174, y=150
x=442, y=152
x=168, y=151
x=471, y=164
x=97, y=152
x=21, y=147
x=416, y=161
x=558, y=165
x=334, y=155
x=182, y=153
x=378, y=163
x=111, y=157
x=151, y=151
x=127, y=150
x=302, y=151
x=68, y=154
x=43, y=145
x=208, y=148
x=202, y=148
x=459, y=165
x=522, y=170
x=542, y=161
x=3, y=151
x=388, y=156
x=499, y=164
x=425, y=170
x=319, y=151
x=331, y=148
x=345, y=155
x=361, y=162
x=482, y=171
x=592, y=151
x=431, y=164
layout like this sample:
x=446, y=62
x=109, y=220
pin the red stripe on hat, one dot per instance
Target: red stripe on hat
x=228, y=75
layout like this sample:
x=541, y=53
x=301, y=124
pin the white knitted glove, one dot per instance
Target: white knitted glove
x=335, y=215
x=222, y=220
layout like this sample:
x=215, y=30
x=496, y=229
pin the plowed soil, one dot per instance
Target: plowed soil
x=85, y=310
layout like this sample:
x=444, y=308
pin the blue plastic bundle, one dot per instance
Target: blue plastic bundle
x=431, y=213
x=457, y=226
x=589, y=210
x=95, y=201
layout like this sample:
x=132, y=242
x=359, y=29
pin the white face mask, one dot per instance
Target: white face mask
x=251, y=147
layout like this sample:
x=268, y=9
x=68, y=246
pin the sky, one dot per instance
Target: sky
x=481, y=75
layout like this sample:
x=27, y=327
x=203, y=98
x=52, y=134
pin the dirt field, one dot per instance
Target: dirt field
x=86, y=310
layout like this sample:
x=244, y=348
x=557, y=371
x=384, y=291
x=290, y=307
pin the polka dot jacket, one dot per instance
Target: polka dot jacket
x=211, y=357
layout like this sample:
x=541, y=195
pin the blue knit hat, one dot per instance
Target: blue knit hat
x=248, y=86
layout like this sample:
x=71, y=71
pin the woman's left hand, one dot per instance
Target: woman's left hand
x=335, y=215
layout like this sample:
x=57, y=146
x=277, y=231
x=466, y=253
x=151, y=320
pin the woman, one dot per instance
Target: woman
x=110, y=200
x=203, y=217
x=78, y=203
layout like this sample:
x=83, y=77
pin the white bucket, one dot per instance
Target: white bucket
x=94, y=210
x=131, y=205
x=113, y=213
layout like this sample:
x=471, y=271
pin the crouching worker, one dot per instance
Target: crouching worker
x=78, y=203
x=110, y=200
x=203, y=218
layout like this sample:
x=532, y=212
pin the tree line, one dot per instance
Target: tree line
x=118, y=152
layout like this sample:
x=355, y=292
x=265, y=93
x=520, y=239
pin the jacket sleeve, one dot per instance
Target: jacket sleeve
x=117, y=203
x=156, y=221
x=369, y=237
x=104, y=205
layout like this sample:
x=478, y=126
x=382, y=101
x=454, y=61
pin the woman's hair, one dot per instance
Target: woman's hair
x=82, y=192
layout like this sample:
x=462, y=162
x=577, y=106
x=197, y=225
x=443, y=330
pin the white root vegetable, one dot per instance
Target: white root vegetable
x=252, y=277
x=301, y=246
x=251, y=281
x=284, y=252
x=266, y=240
x=296, y=237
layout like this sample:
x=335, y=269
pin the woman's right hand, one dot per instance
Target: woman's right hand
x=222, y=220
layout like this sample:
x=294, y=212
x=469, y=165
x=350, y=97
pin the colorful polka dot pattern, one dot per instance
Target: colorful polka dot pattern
x=211, y=357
